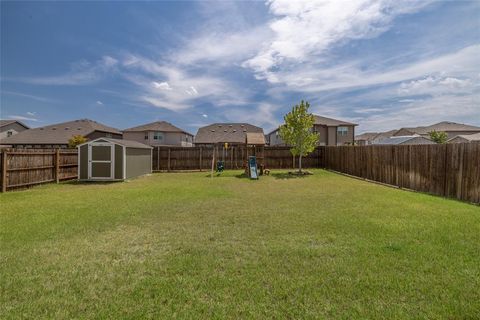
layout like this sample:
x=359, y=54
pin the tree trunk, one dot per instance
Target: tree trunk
x=300, y=163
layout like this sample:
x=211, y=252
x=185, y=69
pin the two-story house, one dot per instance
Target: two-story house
x=332, y=132
x=159, y=133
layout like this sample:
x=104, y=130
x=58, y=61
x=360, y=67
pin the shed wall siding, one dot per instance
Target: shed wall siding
x=118, y=170
x=139, y=162
x=83, y=161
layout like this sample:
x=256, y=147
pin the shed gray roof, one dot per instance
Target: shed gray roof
x=225, y=132
x=126, y=143
x=58, y=133
x=157, y=126
x=6, y=122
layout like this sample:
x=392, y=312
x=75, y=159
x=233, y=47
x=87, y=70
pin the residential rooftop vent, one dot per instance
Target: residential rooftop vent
x=54, y=128
x=67, y=128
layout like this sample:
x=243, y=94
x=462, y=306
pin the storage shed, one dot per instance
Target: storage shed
x=106, y=159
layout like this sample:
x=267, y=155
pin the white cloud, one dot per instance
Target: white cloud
x=31, y=113
x=303, y=29
x=182, y=88
x=205, y=115
x=17, y=117
x=162, y=85
x=222, y=47
x=191, y=91
x=437, y=86
x=100, y=103
x=81, y=73
x=462, y=109
x=30, y=96
x=368, y=110
x=261, y=115
x=312, y=78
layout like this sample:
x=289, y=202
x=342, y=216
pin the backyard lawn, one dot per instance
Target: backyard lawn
x=183, y=245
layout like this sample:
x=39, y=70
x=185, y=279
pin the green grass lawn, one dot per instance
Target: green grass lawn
x=182, y=245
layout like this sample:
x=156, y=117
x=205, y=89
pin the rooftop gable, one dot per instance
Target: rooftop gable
x=163, y=126
x=59, y=133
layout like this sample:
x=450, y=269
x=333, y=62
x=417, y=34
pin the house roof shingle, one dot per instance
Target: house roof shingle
x=6, y=122
x=330, y=122
x=58, y=133
x=225, y=132
x=469, y=137
x=402, y=140
x=157, y=126
x=442, y=126
x=366, y=136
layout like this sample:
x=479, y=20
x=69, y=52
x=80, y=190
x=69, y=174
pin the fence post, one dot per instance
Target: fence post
x=158, y=158
x=168, y=163
x=200, y=160
x=4, y=171
x=57, y=165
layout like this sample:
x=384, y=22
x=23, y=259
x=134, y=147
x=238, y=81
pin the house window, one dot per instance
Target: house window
x=342, y=131
x=158, y=136
x=146, y=135
x=9, y=133
x=108, y=135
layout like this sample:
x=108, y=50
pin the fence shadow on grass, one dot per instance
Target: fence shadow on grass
x=289, y=175
x=81, y=183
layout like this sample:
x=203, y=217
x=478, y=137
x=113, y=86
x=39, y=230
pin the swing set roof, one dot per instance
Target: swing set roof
x=256, y=138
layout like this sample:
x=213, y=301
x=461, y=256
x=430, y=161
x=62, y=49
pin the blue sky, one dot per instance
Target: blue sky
x=383, y=64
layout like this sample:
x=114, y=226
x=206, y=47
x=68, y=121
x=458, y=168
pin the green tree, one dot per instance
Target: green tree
x=74, y=141
x=297, y=131
x=438, y=136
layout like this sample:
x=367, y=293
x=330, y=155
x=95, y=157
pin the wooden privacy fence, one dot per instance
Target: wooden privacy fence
x=234, y=157
x=27, y=167
x=449, y=170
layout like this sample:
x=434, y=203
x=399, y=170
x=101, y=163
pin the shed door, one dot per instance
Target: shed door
x=100, y=161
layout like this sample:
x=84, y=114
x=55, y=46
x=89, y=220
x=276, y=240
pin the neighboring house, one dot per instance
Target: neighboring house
x=159, y=133
x=365, y=138
x=452, y=129
x=231, y=133
x=465, y=138
x=9, y=128
x=332, y=132
x=57, y=135
x=368, y=138
x=403, y=140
